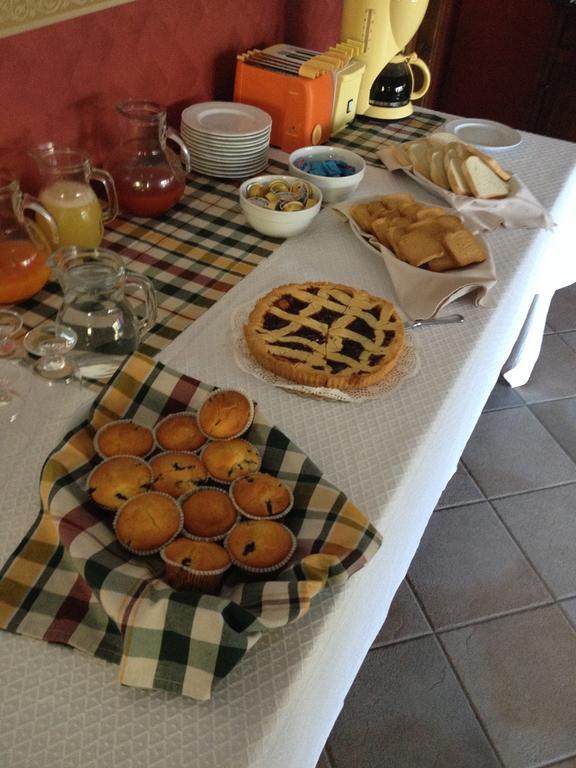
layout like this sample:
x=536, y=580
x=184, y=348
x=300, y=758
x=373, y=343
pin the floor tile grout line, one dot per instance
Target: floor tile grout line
x=457, y=676
x=523, y=551
x=471, y=704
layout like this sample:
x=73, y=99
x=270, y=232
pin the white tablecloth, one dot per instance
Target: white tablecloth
x=393, y=457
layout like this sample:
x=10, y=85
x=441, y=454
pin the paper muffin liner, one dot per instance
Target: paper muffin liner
x=269, y=569
x=170, y=417
x=196, y=455
x=237, y=434
x=183, y=577
x=156, y=550
x=123, y=421
x=229, y=482
x=196, y=537
x=243, y=512
x=139, y=459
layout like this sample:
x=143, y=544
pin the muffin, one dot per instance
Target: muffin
x=123, y=438
x=117, y=479
x=260, y=546
x=176, y=472
x=226, y=461
x=147, y=522
x=197, y=565
x=208, y=514
x=179, y=432
x=226, y=414
x=261, y=496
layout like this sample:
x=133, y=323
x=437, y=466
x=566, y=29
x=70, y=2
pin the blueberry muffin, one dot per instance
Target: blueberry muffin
x=261, y=496
x=208, y=514
x=117, y=479
x=226, y=414
x=260, y=546
x=226, y=461
x=147, y=522
x=176, y=472
x=196, y=565
x=179, y=432
x=123, y=438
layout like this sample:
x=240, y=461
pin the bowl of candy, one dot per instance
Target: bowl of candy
x=337, y=172
x=279, y=206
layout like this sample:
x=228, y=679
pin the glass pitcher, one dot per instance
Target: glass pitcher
x=65, y=191
x=99, y=303
x=150, y=178
x=23, y=248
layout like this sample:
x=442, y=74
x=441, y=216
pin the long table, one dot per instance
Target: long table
x=392, y=457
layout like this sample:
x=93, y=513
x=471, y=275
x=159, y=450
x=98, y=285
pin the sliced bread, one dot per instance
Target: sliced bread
x=453, y=165
x=482, y=180
x=437, y=170
x=418, y=154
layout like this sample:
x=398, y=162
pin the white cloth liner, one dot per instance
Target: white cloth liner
x=519, y=209
x=419, y=292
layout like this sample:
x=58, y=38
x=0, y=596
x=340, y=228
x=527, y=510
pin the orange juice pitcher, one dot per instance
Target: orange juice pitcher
x=66, y=192
x=23, y=248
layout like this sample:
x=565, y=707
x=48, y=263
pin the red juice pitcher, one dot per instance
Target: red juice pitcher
x=149, y=177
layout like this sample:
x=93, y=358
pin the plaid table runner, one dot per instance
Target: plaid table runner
x=203, y=246
x=71, y=582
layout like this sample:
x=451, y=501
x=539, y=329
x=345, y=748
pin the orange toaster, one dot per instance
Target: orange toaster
x=300, y=107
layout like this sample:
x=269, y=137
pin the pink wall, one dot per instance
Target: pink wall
x=61, y=82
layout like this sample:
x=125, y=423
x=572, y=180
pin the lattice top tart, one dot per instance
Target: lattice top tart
x=325, y=335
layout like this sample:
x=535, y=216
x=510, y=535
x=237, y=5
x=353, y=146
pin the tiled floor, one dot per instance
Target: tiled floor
x=476, y=663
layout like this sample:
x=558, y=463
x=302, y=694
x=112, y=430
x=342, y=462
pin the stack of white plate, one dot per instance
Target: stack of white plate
x=226, y=139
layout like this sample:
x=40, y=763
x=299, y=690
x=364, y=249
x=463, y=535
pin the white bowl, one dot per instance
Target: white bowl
x=278, y=223
x=334, y=188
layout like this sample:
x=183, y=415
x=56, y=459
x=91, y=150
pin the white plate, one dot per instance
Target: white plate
x=484, y=134
x=226, y=118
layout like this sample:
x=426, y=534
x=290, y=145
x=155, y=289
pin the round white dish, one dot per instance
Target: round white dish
x=226, y=118
x=487, y=135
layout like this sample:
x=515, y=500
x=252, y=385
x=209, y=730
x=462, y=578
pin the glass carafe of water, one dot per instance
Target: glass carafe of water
x=108, y=308
x=65, y=191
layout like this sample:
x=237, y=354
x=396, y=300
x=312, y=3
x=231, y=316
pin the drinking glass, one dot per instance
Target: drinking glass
x=10, y=324
x=52, y=342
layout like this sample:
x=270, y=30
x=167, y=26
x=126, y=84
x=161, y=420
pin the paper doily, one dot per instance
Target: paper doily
x=408, y=365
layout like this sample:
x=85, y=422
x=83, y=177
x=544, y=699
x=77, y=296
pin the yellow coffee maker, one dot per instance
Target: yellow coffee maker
x=380, y=29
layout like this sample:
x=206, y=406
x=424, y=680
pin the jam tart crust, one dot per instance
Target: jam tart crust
x=325, y=335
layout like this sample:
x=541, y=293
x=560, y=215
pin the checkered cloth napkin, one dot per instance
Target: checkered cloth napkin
x=201, y=248
x=71, y=582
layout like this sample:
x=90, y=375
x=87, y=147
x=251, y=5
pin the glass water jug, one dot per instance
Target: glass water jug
x=108, y=308
x=23, y=248
x=65, y=191
x=150, y=178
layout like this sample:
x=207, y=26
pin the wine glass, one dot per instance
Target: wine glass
x=51, y=343
x=10, y=324
x=13, y=387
